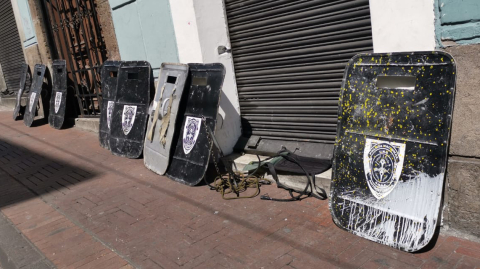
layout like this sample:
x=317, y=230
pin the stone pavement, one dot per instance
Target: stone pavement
x=84, y=208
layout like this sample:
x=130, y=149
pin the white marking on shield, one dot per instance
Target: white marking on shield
x=58, y=101
x=190, y=133
x=110, y=105
x=32, y=100
x=128, y=118
x=383, y=163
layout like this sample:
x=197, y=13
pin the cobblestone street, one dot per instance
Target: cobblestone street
x=84, y=208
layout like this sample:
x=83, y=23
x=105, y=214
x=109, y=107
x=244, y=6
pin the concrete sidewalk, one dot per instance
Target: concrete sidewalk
x=84, y=208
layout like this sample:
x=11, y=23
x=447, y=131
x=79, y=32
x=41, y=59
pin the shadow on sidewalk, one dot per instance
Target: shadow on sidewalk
x=25, y=174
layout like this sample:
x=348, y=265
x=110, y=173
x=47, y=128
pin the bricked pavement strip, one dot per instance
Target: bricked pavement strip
x=83, y=207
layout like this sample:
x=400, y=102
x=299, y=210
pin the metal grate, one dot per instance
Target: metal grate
x=289, y=59
x=77, y=35
x=11, y=53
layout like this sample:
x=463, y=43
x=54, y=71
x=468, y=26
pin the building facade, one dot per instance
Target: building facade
x=284, y=63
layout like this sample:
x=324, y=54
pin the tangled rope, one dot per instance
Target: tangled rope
x=225, y=184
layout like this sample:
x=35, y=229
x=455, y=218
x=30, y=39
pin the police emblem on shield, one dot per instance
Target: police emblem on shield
x=128, y=118
x=110, y=105
x=190, y=133
x=383, y=162
x=32, y=100
x=58, y=101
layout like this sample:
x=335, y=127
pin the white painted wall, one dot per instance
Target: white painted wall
x=403, y=25
x=186, y=32
x=213, y=32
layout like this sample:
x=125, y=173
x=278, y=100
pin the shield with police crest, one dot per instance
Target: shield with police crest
x=58, y=100
x=198, y=110
x=128, y=118
x=383, y=162
x=390, y=154
x=190, y=133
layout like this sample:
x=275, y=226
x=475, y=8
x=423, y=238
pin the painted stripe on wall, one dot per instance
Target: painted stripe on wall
x=186, y=31
x=144, y=30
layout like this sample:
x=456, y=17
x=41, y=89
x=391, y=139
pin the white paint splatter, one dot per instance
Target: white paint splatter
x=405, y=219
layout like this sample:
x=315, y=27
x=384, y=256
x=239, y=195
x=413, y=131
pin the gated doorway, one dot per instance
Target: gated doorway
x=289, y=58
x=76, y=32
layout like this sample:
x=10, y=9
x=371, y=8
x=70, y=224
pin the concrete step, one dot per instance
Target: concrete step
x=296, y=182
x=88, y=124
x=8, y=103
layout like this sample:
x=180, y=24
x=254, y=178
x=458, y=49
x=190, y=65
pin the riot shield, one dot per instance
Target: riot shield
x=130, y=111
x=23, y=79
x=163, y=116
x=34, y=95
x=109, y=78
x=395, y=113
x=58, y=100
x=192, y=147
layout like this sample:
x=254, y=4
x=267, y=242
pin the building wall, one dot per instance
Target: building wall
x=452, y=26
x=108, y=30
x=213, y=32
x=144, y=31
x=458, y=22
x=40, y=50
x=403, y=25
x=186, y=31
x=200, y=28
x=37, y=50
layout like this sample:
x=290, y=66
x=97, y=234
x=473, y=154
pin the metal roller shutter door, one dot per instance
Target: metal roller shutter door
x=11, y=53
x=289, y=58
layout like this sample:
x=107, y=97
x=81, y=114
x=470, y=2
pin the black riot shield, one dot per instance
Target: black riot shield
x=23, y=79
x=109, y=78
x=192, y=147
x=130, y=111
x=390, y=155
x=58, y=99
x=35, y=92
x=163, y=116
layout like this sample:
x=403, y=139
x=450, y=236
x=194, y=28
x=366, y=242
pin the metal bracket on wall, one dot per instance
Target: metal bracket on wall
x=223, y=49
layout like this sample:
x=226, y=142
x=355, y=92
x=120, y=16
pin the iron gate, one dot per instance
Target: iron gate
x=78, y=39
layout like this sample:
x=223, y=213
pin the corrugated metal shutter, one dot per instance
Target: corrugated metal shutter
x=289, y=59
x=11, y=53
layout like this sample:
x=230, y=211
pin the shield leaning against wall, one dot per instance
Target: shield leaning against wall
x=21, y=89
x=35, y=93
x=130, y=110
x=109, y=79
x=199, y=108
x=58, y=99
x=390, y=155
x=164, y=112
